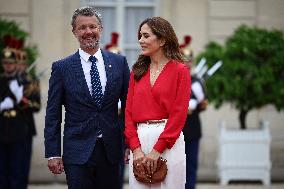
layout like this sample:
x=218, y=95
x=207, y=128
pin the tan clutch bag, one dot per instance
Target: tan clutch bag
x=156, y=177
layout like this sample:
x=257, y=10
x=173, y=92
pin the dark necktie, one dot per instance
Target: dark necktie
x=96, y=82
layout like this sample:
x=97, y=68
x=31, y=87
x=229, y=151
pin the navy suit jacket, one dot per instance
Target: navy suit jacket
x=68, y=87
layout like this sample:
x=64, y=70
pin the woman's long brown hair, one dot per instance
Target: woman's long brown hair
x=163, y=30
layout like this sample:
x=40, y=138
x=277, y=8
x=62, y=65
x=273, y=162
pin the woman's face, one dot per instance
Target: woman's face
x=149, y=42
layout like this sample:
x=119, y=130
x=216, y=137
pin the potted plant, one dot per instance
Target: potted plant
x=250, y=78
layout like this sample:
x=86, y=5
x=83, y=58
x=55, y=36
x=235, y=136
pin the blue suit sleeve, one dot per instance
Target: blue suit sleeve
x=123, y=96
x=124, y=90
x=53, y=118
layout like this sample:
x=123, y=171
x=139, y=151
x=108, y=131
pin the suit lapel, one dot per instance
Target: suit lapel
x=79, y=74
x=109, y=74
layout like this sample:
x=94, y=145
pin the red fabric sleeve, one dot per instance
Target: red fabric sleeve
x=130, y=132
x=177, y=115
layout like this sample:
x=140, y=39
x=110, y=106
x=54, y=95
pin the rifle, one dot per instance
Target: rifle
x=41, y=74
x=201, y=71
x=32, y=66
x=199, y=66
x=213, y=69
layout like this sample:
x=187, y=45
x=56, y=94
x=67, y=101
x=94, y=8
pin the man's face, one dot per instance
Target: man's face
x=188, y=64
x=88, y=31
x=9, y=67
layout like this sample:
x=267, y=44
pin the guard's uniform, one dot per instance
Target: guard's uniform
x=29, y=104
x=192, y=132
x=19, y=98
x=13, y=143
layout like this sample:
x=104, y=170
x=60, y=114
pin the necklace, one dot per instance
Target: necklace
x=156, y=73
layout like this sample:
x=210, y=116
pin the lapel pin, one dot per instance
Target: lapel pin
x=109, y=66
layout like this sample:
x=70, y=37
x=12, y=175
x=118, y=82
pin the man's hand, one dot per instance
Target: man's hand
x=189, y=111
x=203, y=104
x=55, y=165
x=126, y=155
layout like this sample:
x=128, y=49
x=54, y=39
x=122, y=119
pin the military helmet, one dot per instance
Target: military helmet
x=9, y=55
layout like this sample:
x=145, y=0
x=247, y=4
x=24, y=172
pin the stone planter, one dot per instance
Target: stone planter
x=244, y=155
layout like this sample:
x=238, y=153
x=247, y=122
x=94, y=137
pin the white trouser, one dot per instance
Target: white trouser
x=148, y=135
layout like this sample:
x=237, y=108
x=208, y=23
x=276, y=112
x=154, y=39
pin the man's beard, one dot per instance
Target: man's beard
x=92, y=45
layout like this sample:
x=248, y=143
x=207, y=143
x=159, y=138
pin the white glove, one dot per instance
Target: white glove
x=192, y=104
x=17, y=90
x=7, y=103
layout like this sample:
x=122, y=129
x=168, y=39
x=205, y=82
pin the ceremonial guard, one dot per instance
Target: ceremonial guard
x=192, y=128
x=30, y=102
x=19, y=98
x=113, y=45
x=13, y=128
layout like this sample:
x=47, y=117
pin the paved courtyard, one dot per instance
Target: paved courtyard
x=199, y=186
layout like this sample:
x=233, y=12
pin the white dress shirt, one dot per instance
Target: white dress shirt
x=86, y=65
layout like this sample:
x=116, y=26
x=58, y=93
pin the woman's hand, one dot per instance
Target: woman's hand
x=151, y=161
x=138, y=158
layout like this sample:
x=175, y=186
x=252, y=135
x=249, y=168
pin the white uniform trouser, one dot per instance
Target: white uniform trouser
x=148, y=135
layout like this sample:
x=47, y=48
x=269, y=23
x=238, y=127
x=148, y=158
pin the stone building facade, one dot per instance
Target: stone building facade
x=48, y=23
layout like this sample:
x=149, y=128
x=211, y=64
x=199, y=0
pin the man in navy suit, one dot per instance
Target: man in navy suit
x=92, y=141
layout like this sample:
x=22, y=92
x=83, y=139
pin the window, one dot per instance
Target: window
x=124, y=17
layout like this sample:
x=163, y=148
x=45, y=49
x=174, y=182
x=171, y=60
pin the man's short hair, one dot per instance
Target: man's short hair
x=86, y=11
